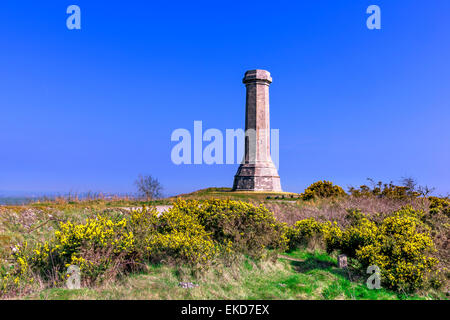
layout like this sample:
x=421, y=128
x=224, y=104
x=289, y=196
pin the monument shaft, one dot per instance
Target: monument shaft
x=257, y=172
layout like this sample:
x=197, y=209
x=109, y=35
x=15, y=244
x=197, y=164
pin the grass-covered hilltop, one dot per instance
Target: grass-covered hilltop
x=219, y=244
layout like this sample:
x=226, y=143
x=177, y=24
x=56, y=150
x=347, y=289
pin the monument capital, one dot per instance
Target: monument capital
x=257, y=75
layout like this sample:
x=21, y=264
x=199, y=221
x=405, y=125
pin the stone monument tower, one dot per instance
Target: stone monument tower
x=257, y=171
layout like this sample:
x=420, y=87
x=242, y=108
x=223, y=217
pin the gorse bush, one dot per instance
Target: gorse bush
x=191, y=233
x=401, y=251
x=399, y=245
x=306, y=231
x=249, y=229
x=102, y=247
x=355, y=236
x=439, y=205
x=354, y=216
x=179, y=237
x=175, y=246
x=322, y=189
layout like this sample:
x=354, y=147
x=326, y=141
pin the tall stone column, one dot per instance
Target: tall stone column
x=257, y=172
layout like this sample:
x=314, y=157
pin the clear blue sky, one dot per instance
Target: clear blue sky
x=90, y=109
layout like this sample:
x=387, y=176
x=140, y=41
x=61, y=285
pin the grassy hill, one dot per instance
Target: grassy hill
x=306, y=273
x=227, y=193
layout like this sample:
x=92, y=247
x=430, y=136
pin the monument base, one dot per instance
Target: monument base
x=257, y=177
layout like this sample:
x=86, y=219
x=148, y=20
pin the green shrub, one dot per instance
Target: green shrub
x=179, y=237
x=305, y=231
x=385, y=190
x=102, y=247
x=350, y=239
x=439, y=205
x=400, y=246
x=354, y=216
x=195, y=249
x=250, y=229
x=190, y=233
x=322, y=189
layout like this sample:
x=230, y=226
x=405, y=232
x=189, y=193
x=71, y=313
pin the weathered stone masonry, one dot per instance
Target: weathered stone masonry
x=257, y=172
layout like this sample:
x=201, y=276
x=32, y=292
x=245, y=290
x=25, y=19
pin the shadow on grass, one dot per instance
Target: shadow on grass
x=313, y=263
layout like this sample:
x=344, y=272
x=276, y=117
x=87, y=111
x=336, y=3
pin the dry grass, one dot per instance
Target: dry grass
x=308, y=275
x=336, y=209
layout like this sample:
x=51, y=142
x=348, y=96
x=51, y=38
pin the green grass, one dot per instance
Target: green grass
x=313, y=275
x=227, y=193
x=319, y=271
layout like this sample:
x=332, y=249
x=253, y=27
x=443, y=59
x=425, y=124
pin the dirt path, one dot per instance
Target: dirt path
x=160, y=209
x=280, y=256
